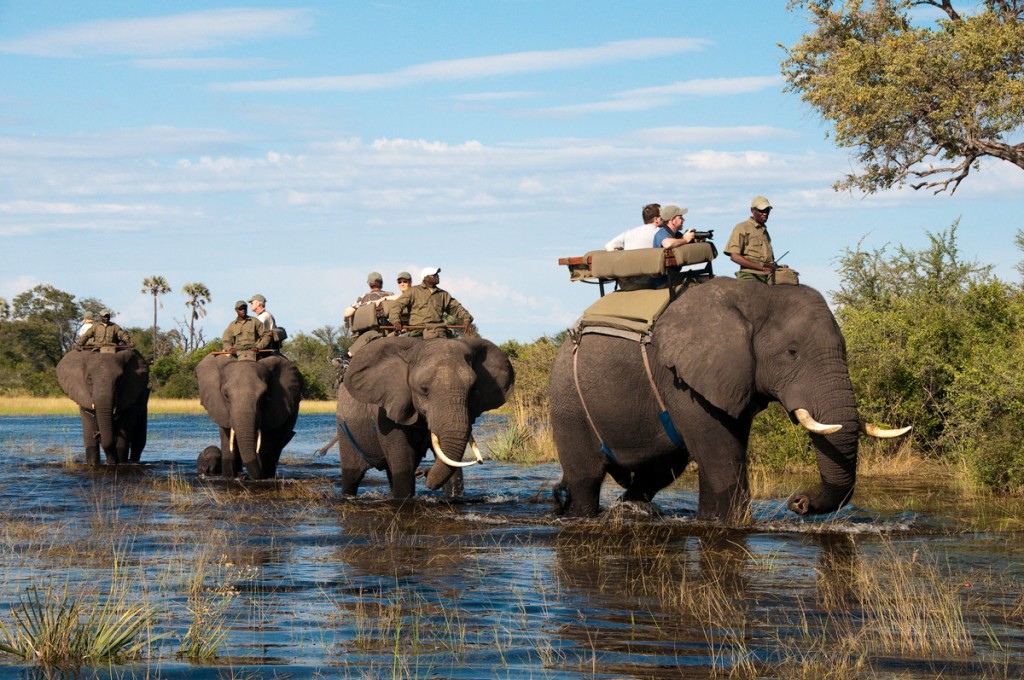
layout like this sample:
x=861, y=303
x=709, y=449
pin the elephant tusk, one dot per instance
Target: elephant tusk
x=259, y=440
x=812, y=425
x=476, y=451
x=440, y=455
x=231, y=441
x=882, y=433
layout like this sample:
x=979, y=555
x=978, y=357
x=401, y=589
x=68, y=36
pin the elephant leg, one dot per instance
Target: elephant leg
x=351, y=477
x=137, y=440
x=403, y=482
x=583, y=466
x=722, y=469
x=90, y=437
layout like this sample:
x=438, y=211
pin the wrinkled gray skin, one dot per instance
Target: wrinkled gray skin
x=255, y=398
x=397, y=390
x=719, y=354
x=112, y=393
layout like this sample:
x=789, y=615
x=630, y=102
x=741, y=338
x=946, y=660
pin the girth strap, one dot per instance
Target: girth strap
x=352, y=440
x=576, y=377
x=663, y=415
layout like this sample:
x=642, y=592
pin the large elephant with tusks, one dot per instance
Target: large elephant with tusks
x=717, y=356
x=255, y=403
x=402, y=396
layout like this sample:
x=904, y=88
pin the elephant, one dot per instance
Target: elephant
x=718, y=355
x=255, y=402
x=401, y=396
x=111, y=387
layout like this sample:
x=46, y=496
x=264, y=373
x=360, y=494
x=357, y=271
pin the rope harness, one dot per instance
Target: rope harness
x=644, y=339
x=352, y=440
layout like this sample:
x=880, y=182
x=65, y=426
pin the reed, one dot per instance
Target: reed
x=51, y=627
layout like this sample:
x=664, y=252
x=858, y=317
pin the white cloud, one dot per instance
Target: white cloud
x=693, y=135
x=176, y=34
x=201, y=64
x=708, y=87
x=493, y=96
x=480, y=67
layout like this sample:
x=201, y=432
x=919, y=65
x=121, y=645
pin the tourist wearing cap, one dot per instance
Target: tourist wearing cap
x=655, y=230
x=258, y=303
x=244, y=331
x=376, y=282
x=363, y=336
x=260, y=311
x=427, y=305
x=671, y=233
x=104, y=333
x=750, y=245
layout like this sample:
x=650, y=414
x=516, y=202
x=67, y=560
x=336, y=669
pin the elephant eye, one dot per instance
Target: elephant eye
x=792, y=353
x=424, y=390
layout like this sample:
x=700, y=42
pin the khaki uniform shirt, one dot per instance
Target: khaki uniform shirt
x=751, y=240
x=245, y=333
x=100, y=334
x=426, y=306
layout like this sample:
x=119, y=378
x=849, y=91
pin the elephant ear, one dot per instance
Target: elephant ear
x=134, y=384
x=706, y=340
x=208, y=372
x=284, y=391
x=494, y=376
x=379, y=374
x=71, y=376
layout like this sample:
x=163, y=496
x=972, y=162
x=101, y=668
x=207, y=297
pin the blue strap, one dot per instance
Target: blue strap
x=670, y=428
x=344, y=428
x=608, y=453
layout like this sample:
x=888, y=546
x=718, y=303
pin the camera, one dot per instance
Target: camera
x=704, y=235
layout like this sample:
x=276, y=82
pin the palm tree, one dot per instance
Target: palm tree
x=198, y=295
x=155, y=286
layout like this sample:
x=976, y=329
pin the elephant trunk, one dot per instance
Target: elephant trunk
x=836, y=450
x=105, y=426
x=247, y=438
x=453, y=447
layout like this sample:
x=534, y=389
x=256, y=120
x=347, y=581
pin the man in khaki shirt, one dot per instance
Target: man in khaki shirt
x=750, y=245
x=244, y=332
x=427, y=305
x=104, y=333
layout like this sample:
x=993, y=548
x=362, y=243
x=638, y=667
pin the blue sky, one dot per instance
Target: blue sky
x=291, y=148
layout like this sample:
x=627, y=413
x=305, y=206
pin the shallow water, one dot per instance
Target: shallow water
x=910, y=581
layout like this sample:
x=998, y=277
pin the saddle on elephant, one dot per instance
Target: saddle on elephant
x=647, y=280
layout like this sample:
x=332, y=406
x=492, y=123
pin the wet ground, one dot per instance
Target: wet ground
x=286, y=579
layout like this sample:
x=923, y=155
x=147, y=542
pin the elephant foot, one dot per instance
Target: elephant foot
x=455, y=486
x=561, y=498
x=92, y=456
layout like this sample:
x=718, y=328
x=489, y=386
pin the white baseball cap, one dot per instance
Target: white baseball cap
x=429, y=271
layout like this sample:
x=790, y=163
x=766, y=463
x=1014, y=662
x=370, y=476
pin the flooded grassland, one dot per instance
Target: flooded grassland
x=210, y=578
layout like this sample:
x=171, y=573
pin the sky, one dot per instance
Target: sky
x=290, y=148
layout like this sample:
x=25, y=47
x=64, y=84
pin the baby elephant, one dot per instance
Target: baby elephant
x=209, y=460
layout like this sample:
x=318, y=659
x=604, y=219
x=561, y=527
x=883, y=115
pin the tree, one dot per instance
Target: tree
x=920, y=104
x=155, y=286
x=198, y=296
x=49, y=319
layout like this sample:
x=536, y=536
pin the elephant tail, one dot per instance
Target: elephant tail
x=561, y=497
